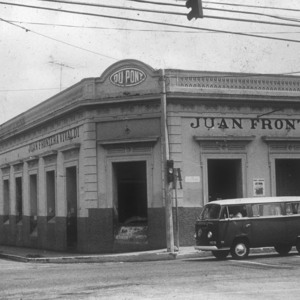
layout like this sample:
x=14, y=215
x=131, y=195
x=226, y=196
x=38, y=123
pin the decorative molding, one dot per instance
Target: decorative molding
x=5, y=166
x=223, y=143
x=69, y=147
x=282, y=144
x=274, y=139
x=16, y=162
x=151, y=140
x=31, y=158
x=238, y=82
x=49, y=153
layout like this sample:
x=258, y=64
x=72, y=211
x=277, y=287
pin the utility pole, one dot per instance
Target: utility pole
x=165, y=159
x=61, y=65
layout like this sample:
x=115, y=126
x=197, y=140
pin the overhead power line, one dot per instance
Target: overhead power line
x=253, y=13
x=141, y=30
x=218, y=3
x=28, y=90
x=246, y=5
x=56, y=40
x=113, y=7
x=146, y=10
x=184, y=14
x=152, y=22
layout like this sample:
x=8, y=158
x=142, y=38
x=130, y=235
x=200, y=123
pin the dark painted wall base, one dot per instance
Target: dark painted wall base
x=95, y=234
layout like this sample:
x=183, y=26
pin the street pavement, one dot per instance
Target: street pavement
x=45, y=256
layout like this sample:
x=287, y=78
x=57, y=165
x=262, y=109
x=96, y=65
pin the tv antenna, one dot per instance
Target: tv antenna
x=61, y=65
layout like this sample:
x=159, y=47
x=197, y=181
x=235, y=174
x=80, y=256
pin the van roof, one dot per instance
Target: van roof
x=256, y=200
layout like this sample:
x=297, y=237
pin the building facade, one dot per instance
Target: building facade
x=86, y=169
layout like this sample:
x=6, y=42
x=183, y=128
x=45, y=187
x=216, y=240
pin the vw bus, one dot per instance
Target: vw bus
x=236, y=225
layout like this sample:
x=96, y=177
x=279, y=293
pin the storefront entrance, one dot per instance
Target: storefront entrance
x=130, y=202
x=131, y=192
x=224, y=179
x=71, y=192
x=287, y=177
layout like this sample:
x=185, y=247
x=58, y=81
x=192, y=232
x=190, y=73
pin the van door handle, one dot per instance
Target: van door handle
x=247, y=225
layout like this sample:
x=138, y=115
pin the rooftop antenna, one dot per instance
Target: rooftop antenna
x=61, y=65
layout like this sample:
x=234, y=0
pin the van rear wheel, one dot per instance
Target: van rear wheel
x=283, y=249
x=240, y=249
x=221, y=254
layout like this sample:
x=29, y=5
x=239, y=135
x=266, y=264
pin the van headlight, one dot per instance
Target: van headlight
x=209, y=234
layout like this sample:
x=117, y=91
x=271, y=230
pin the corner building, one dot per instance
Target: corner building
x=86, y=169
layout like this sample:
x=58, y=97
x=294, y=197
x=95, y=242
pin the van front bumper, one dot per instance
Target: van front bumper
x=210, y=248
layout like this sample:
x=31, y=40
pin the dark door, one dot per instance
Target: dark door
x=224, y=179
x=131, y=195
x=287, y=177
x=71, y=192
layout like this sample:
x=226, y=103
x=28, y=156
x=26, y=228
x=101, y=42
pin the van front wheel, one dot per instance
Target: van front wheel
x=240, y=249
x=283, y=249
x=221, y=254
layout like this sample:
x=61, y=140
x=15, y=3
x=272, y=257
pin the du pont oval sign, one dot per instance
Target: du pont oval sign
x=127, y=77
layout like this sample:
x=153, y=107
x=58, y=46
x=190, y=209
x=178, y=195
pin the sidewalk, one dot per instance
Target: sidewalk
x=44, y=256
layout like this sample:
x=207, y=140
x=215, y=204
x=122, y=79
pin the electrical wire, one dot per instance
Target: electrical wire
x=245, y=5
x=29, y=90
x=184, y=14
x=153, y=22
x=220, y=9
x=113, y=7
x=253, y=13
x=156, y=3
x=152, y=11
x=140, y=30
x=56, y=40
x=218, y=3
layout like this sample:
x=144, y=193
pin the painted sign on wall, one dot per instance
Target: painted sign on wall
x=127, y=77
x=251, y=123
x=55, y=139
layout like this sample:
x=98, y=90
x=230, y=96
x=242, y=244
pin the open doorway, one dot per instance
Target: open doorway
x=224, y=179
x=287, y=177
x=130, y=193
x=71, y=194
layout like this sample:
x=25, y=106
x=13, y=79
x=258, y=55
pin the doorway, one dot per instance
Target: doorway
x=287, y=177
x=224, y=179
x=71, y=195
x=130, y=193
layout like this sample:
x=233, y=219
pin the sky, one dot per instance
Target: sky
x=44, y=51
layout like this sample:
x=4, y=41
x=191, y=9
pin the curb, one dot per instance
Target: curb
x=94, y=258
x=132, y=257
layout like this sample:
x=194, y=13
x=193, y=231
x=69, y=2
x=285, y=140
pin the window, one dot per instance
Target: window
x=19, y=199
x=51, y=192
x=292, y=208
x=210, y=212
x=6, y=200
x=237, y=211
x=267, y=209
x=33, y=202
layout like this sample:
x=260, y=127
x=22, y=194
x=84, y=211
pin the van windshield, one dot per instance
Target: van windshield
x=210, y=211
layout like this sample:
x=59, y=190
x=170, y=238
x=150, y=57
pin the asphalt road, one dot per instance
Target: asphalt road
x=258, y=277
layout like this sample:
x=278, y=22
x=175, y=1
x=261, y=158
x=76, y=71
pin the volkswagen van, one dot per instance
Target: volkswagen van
x=236, y=225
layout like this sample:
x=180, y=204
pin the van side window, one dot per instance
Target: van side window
x=264, y=210
x=292, y=208
x=237, y=211
x=224, y=213
x=255, y=210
